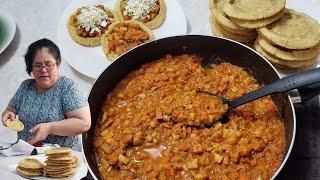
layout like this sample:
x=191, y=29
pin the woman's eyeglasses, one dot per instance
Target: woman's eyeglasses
x=38, y=67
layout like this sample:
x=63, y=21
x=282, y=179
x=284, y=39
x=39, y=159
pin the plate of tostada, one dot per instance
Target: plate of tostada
x=80, y=45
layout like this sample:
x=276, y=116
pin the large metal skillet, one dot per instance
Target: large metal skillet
x=210, y=48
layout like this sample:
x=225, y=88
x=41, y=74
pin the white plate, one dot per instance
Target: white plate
x=91, y=61
x=7, y=29
x=81, y=170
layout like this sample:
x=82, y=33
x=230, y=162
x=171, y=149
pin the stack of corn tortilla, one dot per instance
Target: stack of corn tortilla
x=60, y=163
x=238, y=19
x=288, y=39
x=292, y=43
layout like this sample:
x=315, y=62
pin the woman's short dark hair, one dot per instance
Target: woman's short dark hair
x=38, y=45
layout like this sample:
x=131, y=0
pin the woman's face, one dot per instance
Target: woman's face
x=45, y=70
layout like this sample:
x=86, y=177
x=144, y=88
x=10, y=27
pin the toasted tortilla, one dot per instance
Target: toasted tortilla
x=253, y=9
x=58, y=151
x=294, y=30
x=288, y=54
x=31, y=163
x=27, y=173
x=15, y=125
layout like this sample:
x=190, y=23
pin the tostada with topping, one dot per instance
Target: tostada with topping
x=88, y=24
x=152, y=13
x=122, y=36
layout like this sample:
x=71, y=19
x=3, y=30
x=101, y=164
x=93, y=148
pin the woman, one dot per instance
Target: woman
x=51, y=106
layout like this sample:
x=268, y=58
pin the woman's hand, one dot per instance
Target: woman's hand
x=7, y=114
x=42, y=131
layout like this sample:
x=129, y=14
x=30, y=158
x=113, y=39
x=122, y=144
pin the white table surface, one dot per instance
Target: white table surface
x=36, y=19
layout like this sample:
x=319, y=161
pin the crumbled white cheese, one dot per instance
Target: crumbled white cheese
x=91, y=17
x=139, y=9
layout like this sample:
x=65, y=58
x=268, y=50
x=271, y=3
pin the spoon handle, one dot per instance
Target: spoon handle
x=285, y=84
x=308, y=93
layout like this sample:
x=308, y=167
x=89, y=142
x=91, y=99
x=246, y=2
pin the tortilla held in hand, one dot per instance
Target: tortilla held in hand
x=15, y=125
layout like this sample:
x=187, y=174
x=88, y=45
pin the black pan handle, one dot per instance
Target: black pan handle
x=294, y=81
x=308, y=93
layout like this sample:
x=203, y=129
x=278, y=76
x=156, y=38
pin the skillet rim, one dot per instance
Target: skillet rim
x=286, y=95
